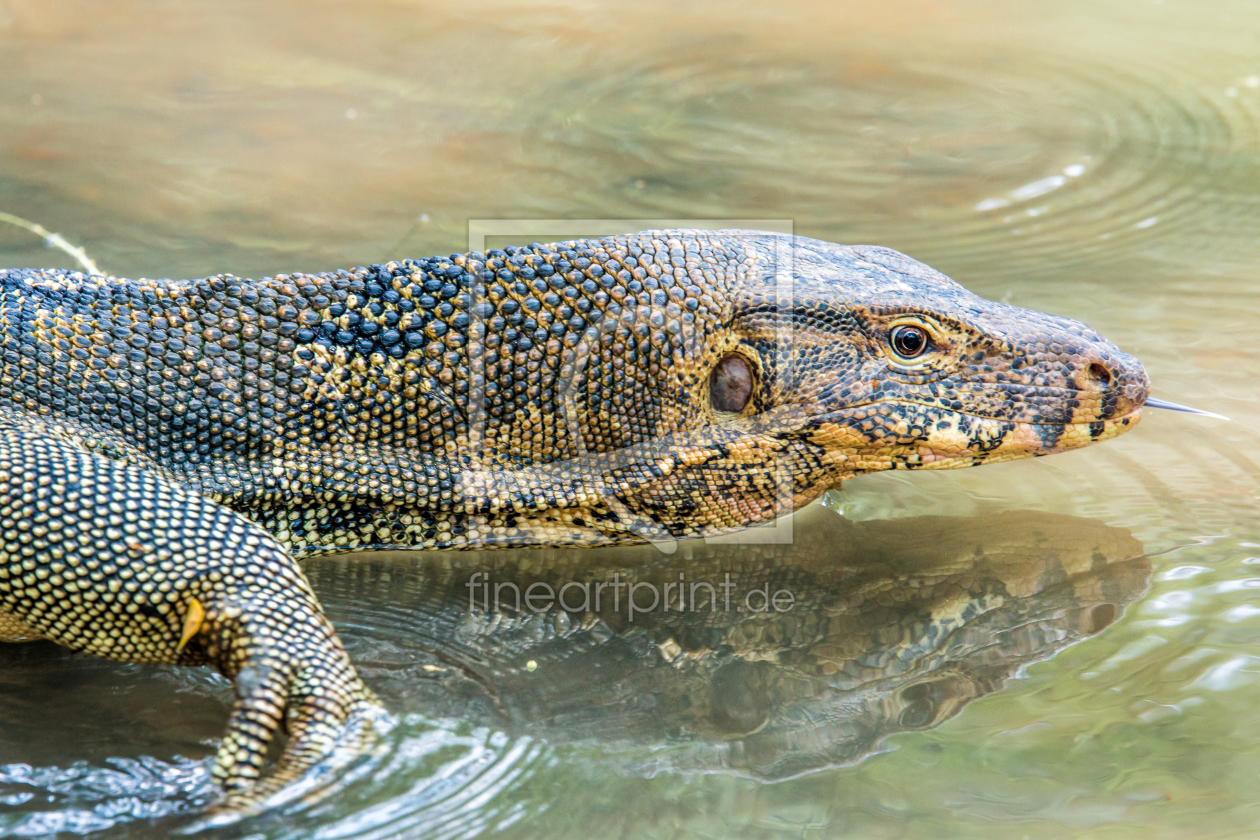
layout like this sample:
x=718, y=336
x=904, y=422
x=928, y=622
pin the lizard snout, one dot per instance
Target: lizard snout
x=1112, y=384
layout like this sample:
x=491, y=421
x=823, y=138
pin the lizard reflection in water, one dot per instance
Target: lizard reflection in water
x=896, y=626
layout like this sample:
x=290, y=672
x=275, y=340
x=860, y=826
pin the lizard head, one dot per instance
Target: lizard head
x=881, y=362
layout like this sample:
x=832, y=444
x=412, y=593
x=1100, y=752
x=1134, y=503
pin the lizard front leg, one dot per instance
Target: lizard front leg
x=115, y=560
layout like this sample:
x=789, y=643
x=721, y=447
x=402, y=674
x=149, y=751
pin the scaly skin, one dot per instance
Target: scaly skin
x=167, y=448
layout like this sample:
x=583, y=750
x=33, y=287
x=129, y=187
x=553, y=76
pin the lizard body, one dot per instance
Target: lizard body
x=168, y=447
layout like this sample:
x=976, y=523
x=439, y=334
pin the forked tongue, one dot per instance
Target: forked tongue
x=1151, y=402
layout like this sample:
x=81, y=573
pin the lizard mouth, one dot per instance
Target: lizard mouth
x=1134, y=414
x=949, y=439
x=974, y=440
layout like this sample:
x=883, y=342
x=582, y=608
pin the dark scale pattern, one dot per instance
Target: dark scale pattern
x=546, y=395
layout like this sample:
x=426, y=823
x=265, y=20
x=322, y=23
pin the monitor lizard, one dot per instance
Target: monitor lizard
x=168, y=449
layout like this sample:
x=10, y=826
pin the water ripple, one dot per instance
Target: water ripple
x=83, y=799
x=1094, y=162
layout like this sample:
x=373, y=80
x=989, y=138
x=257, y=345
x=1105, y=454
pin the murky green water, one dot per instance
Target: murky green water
x=1097, y=160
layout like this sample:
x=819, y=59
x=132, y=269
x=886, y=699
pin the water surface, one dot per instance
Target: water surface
x=1096, y=160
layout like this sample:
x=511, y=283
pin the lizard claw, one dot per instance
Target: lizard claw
x=290, y=673
x=322, y=740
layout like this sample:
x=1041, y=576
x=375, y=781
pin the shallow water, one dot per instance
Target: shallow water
x=1096, y=160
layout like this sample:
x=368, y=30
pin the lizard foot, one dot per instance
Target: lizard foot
x=292, y=675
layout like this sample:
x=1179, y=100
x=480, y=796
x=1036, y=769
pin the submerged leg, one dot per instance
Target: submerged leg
x=114, y=560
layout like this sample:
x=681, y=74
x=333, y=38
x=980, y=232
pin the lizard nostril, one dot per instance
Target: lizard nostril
x=1100, y=374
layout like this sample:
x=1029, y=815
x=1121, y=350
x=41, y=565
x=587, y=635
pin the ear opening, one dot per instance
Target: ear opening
x=731, y=384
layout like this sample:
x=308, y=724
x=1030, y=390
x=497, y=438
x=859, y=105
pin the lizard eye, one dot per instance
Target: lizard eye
x=909, y=342
x=731, y=384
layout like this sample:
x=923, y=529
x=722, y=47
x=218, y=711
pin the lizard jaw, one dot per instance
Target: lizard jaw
x=954, y=440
